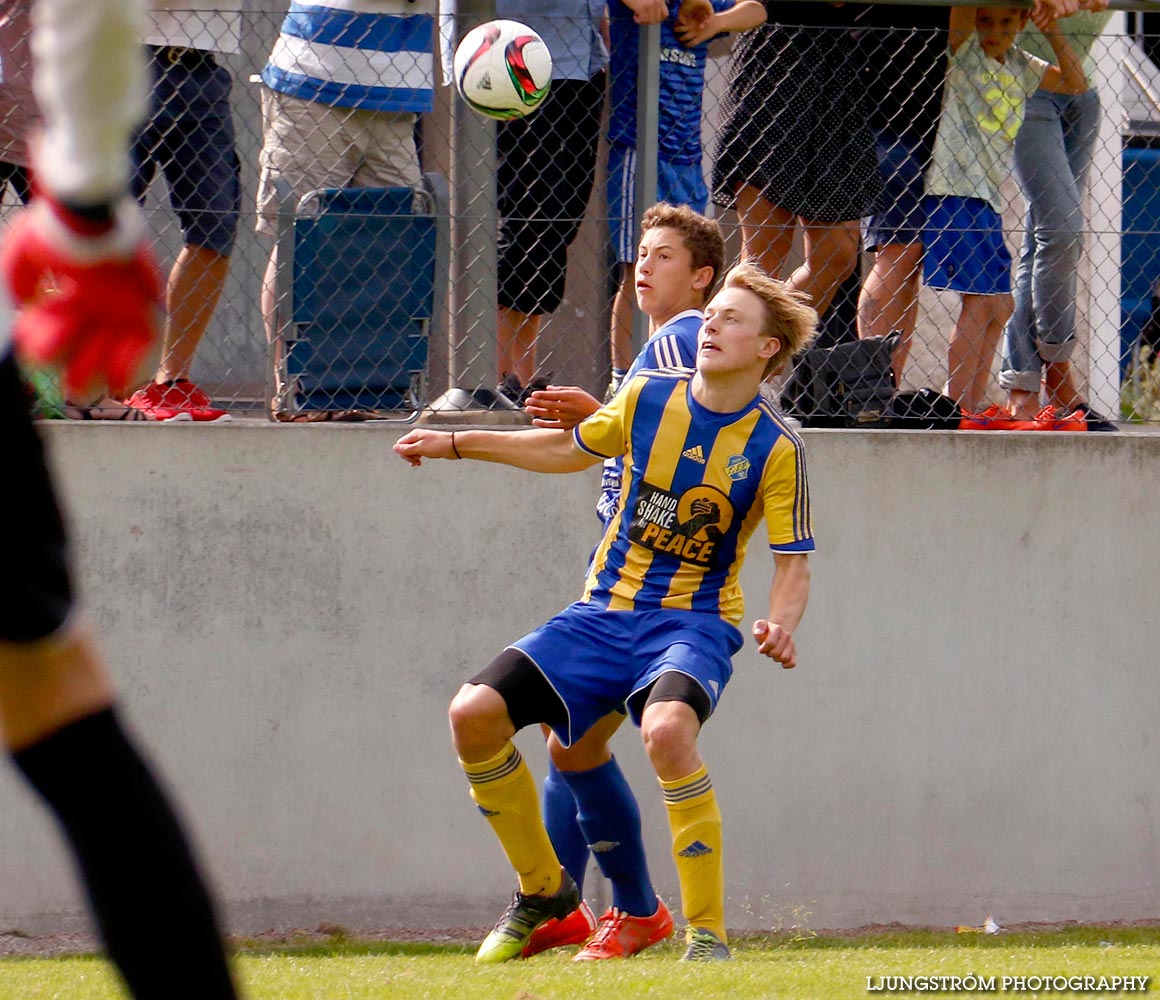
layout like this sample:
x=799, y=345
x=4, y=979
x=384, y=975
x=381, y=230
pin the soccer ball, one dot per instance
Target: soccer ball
x=503, y=69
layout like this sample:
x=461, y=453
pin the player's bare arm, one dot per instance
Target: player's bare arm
x=560, y=406
x=788, y=596
x=537, y=450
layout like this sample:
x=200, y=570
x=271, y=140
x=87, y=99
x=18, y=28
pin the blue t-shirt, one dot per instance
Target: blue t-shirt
x=682, y=81
x=674, y=345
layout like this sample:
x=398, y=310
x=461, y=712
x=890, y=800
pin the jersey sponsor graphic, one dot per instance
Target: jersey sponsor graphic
x=695, y=454
x=689, y=526
x=678, y=55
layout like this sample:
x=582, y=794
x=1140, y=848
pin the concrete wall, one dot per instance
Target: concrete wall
x=972, y=728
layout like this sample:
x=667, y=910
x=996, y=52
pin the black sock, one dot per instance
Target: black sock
x=149, y=900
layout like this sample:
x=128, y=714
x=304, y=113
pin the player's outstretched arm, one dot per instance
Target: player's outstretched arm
x=788, y=596
x=535, y=450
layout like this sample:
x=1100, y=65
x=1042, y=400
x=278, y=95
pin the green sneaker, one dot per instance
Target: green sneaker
x=704, y=946
x=523, y=915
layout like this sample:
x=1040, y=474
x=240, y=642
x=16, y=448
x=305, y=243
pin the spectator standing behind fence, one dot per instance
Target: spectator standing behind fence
x=988, y=83
x=685, y=33
x=1053, y=155
x=794, y=147
x=342, y=89
x=546, y=166
x=903, y=71
x=18, y=114
x=189, y=134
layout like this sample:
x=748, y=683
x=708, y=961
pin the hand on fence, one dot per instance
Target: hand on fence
x=88, y=293
x=560, y=406
x=1052, y=9
x=775, y=642
x=648, y=11
x=694, y=23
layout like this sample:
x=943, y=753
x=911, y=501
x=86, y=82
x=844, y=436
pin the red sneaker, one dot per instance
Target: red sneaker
x=993, y=418
x=1048, y=419
x=576, y=928
x=621, y=934
x=180, y=400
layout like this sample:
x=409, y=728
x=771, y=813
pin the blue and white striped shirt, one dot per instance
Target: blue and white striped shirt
x=376, y=55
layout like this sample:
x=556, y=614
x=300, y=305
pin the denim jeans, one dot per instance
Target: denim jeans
x=1053, y=154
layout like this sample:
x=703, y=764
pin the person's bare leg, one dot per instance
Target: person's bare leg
x=1001, y=307
x=621, y=334
x=516, y=336
x=890, y=296
x=766, y=231
x=831, y=255
x=191, y=295
x=965, y=349
x=48, y=684
x=1062, y=392
x=58, y=723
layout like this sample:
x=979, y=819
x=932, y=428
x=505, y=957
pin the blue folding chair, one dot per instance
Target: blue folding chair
x=361, y=281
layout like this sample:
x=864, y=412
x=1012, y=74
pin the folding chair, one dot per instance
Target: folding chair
x=361, y=280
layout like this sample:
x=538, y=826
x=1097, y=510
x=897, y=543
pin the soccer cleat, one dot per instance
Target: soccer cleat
x=576, y=928
x=704, y=946
x=520, y=920
x=178, y=400
x=993, y=418
x=620, y=934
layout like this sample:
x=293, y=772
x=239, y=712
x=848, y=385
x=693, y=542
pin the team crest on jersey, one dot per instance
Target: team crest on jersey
x=688, y=526
x=737, y=468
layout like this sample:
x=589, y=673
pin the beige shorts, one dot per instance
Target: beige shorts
x=316, y=145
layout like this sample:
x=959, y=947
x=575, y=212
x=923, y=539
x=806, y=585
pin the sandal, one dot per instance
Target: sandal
x=105, y=408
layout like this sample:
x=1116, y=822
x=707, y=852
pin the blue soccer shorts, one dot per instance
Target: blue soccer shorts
x=677, y=184
x=596, y=660
x=964, y=249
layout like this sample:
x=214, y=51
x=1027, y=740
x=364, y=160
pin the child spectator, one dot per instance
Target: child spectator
x=988, y=83
x=685, y=35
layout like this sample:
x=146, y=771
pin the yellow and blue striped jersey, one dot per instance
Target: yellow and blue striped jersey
x=696, y=485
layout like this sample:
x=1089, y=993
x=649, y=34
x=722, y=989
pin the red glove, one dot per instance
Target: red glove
x=88, y=293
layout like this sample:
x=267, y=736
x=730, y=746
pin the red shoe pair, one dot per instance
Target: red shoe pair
x=996, y=418
x=617, y=935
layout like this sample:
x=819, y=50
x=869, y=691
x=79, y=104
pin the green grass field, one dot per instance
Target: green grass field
x=814, y=968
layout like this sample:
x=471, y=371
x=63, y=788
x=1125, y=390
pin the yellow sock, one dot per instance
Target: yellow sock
x=505, y=792
x=695, y=823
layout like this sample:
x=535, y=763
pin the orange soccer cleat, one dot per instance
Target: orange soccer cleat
x=620, y=934
x=576, y=928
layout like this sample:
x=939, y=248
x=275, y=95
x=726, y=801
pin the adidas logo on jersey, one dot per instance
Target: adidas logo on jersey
x=696, y=850
x=694, y=454
x=603, y=846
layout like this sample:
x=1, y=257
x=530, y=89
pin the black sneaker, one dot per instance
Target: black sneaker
x=511, y=387
x=523, y=915
x=1096, y=421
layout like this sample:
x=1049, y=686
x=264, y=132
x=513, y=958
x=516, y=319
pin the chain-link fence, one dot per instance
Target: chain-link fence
x=814, y=138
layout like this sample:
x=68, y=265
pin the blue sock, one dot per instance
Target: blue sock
x=563, y=828
x=610, y=819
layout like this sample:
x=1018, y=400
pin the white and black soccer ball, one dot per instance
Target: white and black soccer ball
x=503, y=69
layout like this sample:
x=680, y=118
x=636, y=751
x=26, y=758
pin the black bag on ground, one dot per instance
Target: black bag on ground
x=925, y=409
x=847, y=385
